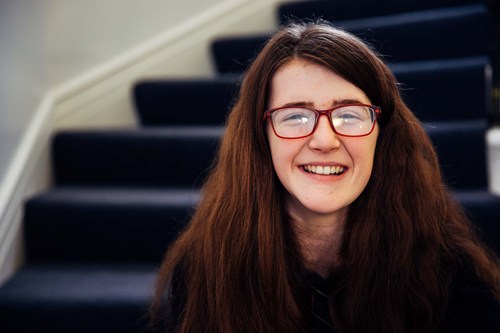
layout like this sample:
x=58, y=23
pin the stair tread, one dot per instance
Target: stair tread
x=349, y=9
x=407, y=18
x=100, y=196
x=479, y=124
x=477, y=195
x=96, y=283
x=194, y=132
x=78, y=299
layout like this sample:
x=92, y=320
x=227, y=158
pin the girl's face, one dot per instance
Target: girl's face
x=300, y=163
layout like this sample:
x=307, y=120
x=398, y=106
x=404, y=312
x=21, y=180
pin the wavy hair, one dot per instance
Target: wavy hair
x=404, y=236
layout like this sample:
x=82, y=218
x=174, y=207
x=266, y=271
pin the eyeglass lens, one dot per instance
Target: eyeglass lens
x=350, y=120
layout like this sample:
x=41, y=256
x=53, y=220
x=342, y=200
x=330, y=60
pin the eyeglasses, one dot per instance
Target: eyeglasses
x=352, y=120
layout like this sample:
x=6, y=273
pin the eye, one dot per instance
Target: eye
x=293, y=117
x=351, y=114
x=297, y=117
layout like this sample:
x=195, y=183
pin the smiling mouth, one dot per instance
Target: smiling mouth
x=324, y=170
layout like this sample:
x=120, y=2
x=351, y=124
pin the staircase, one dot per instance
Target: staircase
x=95, y=240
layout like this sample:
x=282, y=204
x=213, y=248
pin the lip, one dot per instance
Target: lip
x=324, y=164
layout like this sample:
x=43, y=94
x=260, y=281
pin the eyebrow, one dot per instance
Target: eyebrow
x=310, y=104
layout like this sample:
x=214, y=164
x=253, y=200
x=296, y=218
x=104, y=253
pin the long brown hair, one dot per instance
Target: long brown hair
x=403, y=239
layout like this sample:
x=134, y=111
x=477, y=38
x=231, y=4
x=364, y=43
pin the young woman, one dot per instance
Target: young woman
x=325, y=210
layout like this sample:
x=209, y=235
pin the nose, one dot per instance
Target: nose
x=324, y=138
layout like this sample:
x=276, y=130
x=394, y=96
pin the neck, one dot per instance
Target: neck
x=319, y=238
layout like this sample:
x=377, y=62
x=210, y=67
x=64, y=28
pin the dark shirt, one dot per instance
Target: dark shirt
x=472, y=306
x=320, y=318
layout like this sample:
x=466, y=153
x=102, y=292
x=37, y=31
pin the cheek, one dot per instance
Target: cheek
x=283, y=154
x=362, y=153
x=369, y=155
x=272, y=141
x=273, y=148
x=280, y=155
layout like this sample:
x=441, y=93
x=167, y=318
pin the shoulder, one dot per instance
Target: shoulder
x=472, y=305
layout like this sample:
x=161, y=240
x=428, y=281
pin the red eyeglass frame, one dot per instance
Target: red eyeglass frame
x=328, y=113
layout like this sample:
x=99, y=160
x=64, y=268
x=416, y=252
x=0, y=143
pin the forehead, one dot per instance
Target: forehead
x=301, y=81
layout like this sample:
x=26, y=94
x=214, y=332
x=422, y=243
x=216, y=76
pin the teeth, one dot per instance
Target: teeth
x=324, y=170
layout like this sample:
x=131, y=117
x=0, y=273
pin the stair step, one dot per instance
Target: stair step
x=462, y=152
x=483, y=209
x=174, y=157
x=185, y=102
x=62, y=223
x=207, y=101
x=351, y=9
x=105, y=225
x=433, y=34
x=77, y=299
x=132, y=225
x=181, y=157
x=422, y=89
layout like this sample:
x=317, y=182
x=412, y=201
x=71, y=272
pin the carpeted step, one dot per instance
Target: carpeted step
x=77, y=299
x=173, y=157
x=434, y=34
x=131, y=225
x=462, y=152
x=206, y=102
x=185, y=102
x=435, y=89
x=483, y=209
x=105, y=225
x=176, y=158
x=352, y=9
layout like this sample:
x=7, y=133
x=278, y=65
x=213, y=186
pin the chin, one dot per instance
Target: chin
x=325, y=209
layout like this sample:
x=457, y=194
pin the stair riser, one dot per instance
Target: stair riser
x=435, y=91
x=184, y=102
x=132, y=160
x=462, y=154
x=74, y=318
x=116, y=232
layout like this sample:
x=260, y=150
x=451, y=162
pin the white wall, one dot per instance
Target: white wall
x=22, y=71
x=83, y=34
